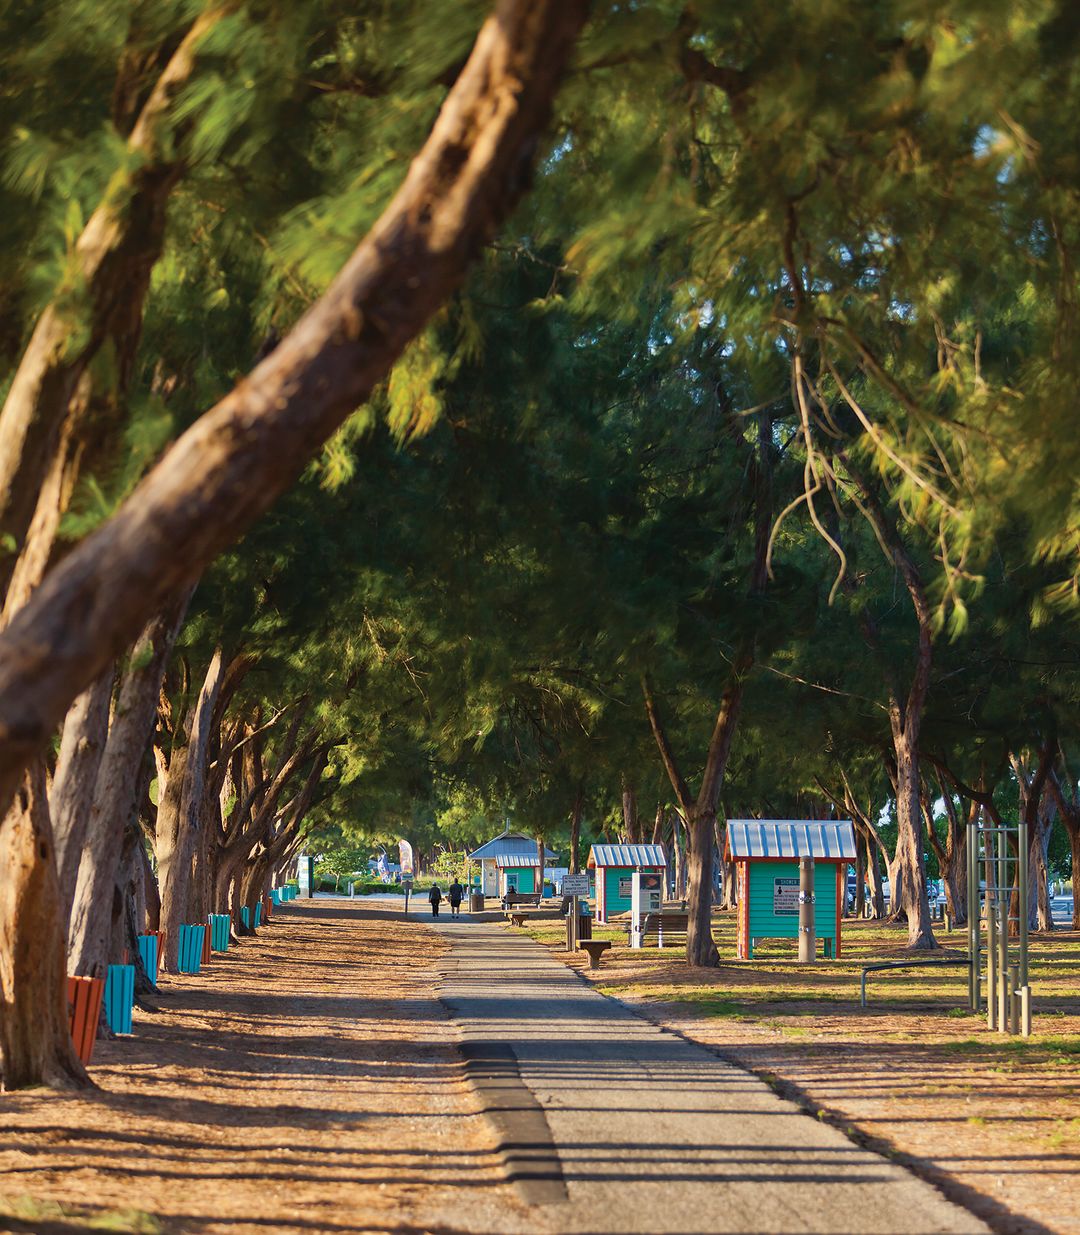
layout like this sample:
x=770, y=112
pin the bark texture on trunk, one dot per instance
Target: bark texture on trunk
x=86, y=730
x=177, y=828
x=35, y=1043
x=116, y=793
x=1065, y=796
x=237, y=459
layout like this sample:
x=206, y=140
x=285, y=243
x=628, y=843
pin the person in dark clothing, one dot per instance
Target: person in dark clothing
x=456, y=894
x=435, y=896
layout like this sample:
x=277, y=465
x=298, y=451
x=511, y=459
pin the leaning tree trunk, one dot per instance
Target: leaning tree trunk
x=86, y=730
x=35, y=1043
x=231, y=465
x=178, y=826
x=116, y=793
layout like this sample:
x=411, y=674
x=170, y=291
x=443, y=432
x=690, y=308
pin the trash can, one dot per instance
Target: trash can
x=584, y=928
x=476, y=902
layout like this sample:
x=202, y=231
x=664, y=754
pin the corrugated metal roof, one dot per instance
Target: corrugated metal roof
x=627, y=855
x=830, y=839
x=507, y=842
x=517, y=859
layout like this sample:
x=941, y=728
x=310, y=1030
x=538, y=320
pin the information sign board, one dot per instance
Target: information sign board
x=786, y=897
x=575, y=885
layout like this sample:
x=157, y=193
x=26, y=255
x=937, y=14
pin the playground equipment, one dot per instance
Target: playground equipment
x=997, y=857
x=791, y=875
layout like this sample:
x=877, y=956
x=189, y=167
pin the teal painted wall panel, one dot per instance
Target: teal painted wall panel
x=766, y=923
x=522, y=877
x=613, y=902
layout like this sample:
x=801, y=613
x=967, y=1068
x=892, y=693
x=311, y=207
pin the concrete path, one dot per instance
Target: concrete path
x=627, y=1128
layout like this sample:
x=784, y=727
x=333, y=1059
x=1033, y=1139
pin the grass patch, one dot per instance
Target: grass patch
x=31, y=1214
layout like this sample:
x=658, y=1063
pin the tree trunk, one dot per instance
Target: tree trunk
x=629, y=813
x=86, y=730
x=1069, y=809
x=178, y=827
x=540, y=865
x=116, y=792
x=35, y=1042
x=680, y=855
x=230, y=466
x=910, y=898
x=1041, y=913
x=575, y=830
x=114, y=257
x=859, y=908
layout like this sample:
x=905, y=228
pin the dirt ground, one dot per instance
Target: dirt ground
x=301, y=1083
x=993, y=1120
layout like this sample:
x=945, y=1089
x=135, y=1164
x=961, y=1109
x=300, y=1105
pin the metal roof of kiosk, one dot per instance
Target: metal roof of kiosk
x=504, y=860
x=831, y=840
x=627, y=855
x=508, y=842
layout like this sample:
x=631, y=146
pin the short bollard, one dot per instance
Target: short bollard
x=120, y=997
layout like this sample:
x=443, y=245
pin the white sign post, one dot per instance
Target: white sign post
x=573, y=886
x=646, y=896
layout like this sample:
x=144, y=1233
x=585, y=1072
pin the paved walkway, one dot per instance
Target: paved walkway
x=629, y=1128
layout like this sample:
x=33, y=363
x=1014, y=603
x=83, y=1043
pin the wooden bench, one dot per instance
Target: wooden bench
x=596, y=949
x=665, y=923
x=521, y=898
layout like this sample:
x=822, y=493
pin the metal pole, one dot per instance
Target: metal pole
x=974, y=930
x=1004, y=897
x=807, y=926
x=1014, y=1001
x=991, y=958
x=1023, y=879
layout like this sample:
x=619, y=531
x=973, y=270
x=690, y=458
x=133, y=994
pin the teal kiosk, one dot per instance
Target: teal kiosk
x=766, y=853
x=614, y=866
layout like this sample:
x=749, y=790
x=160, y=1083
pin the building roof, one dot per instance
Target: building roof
x=627, y=855
x=508, y=842
x=517, y=859
x=832, y=840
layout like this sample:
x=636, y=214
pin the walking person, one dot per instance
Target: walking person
x=456, y=894
x=435, y=896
